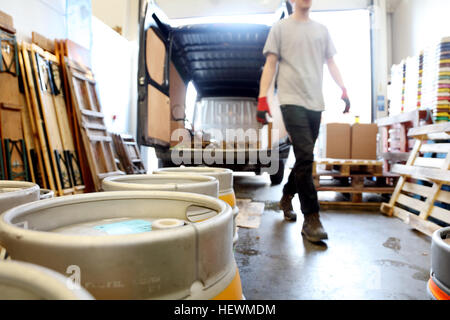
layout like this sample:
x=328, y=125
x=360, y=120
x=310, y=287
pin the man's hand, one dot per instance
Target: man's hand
x=346, y=100
x=263, y=111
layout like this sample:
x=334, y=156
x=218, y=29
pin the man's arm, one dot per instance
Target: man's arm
x=336, y=75
x=268, y=74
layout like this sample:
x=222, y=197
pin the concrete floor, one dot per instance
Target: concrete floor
x=368, y=256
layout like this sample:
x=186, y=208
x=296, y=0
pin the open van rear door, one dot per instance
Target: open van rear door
x=153, y=84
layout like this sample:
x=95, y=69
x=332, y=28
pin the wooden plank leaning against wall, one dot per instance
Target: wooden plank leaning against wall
x=31, y=134
x=43, y=75
x=96, y=139
x=63, y=49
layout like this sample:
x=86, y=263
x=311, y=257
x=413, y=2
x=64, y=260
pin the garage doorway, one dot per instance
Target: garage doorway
x=350, y=31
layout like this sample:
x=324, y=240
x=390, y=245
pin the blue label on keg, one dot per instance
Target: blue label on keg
x=126, y=227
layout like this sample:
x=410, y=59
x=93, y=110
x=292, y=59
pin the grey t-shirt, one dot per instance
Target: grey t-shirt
x=303, y=48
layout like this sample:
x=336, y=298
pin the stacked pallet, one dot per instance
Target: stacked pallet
x=352, y=177
x=422, y=198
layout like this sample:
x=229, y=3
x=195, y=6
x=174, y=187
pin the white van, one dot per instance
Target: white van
x=224, y=62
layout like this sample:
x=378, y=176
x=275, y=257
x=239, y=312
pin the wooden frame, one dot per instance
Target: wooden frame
x=128, y=153
x=8, y=53
x=31, y=134
x=48, y=116
x=66, y=48
x=420, y=187
x=46, y=91
x=14, y=152
x=36, y=114
x=96, y=140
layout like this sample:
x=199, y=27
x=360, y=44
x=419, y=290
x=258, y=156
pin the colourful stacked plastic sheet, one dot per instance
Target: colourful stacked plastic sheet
x=437, y=62
x=420, y=81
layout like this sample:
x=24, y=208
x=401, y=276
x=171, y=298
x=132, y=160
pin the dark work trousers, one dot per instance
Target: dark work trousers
x=303, y=126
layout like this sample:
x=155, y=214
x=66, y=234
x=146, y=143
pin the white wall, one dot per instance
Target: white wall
x=119, y=13
x=417, y=24
x=47, y=17
x=114, y=64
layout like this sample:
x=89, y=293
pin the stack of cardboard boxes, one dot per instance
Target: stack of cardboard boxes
x=345, y=141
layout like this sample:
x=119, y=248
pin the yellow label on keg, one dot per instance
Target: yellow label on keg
x=233, y=291
x=229, y=198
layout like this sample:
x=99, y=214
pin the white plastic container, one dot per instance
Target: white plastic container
x=194, y=261
x=46, y=194
x=14, y=193
x=225, y=178
x=205, y=185
x=24, y=281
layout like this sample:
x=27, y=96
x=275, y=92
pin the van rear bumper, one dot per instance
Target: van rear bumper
x=235, y=159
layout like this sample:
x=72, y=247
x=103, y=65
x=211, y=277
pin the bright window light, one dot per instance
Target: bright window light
x=350, y=31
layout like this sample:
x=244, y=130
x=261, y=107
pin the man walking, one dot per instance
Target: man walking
x=300, y=47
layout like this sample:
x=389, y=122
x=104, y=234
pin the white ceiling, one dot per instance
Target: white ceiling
x=175, y=9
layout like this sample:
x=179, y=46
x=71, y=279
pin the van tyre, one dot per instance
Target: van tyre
x=165, y=164
x=277, y=178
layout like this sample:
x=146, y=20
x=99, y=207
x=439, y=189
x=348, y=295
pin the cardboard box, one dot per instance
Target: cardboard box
x=337, y=141
x=364, y=141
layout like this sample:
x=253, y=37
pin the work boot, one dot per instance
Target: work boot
x=286, y=206
x=313, y=229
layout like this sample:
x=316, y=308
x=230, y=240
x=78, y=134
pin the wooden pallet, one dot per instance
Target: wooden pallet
x=128, y=152
x=354, y=187
x=352, y=178
x=420, y=188
x=347, y=168
x=96, y=140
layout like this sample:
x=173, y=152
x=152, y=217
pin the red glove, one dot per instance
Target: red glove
x=263, y=110
x=346, y=100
